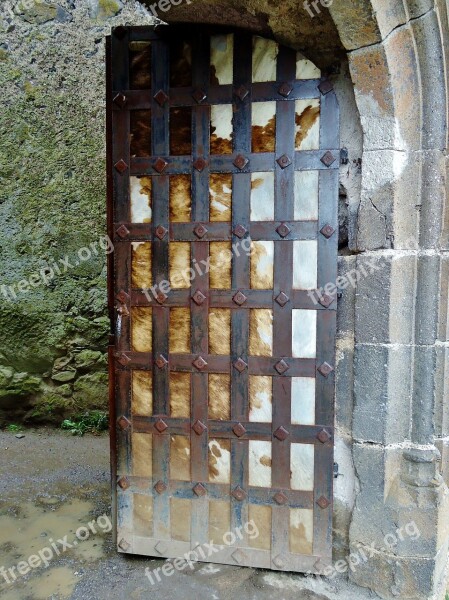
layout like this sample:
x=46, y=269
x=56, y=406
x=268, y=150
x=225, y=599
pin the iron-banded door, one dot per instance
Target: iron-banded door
x=224, y=191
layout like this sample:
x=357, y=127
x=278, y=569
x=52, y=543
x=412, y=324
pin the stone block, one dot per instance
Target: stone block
x=372, y=307
x=389, y=15
x=344, y=383
x=404, y=80
x=382, y=391
x=400, y=578
x=371, y=77
x=402, y=504
x=346, y=302
x=429, y=40
x=443, y=313
x=433, y=210
x=355, y=22
x=441, y=409
x=402, y=299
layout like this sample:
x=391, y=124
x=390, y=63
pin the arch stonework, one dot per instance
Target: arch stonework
x=393, y=350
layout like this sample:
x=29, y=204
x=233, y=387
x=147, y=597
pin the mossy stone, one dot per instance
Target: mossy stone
x=91, y=391
x=39, y=12
x=90, y=360
x=64, y=376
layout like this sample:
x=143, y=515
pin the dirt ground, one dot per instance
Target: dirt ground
x=52, y=484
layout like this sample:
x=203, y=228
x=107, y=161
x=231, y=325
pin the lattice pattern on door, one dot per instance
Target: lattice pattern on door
x=224, y=183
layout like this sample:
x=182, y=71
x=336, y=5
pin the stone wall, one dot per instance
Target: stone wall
x=52, y=205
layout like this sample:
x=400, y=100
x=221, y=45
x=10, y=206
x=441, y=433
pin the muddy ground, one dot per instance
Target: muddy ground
x=52, y=484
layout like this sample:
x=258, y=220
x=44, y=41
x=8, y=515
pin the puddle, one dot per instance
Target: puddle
x=48, y=529
x=57, y=583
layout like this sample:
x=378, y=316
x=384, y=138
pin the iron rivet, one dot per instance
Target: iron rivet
x=120, y=99
x=282, y=299
x=325, y=369
x=323, y=502
x=122, y=231
x=123, y=423
x=121, y=166
x=200, y=164
x=160, y=231
x=160, y=487
x=160, y=425
x=160, y=165
x=281, y=367
x=161, y=362
x=280, y=498
x=328, y=158
x=199, y=427
x=241, y=92
x=199, y=490
x=240, y=365
x=161, y=97
x=239, y=231
x=239, y=430
x=240, y=161
x=239, y=494
x=281, y=433
x=199, y=363
x=327, y=231
x=285, y=89
x=325, y=87
x=198, y=297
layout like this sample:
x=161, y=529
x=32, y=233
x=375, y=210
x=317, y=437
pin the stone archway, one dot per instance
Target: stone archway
x=393, y=346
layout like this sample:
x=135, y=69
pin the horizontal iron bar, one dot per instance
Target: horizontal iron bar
x=218, y=232
x=305, y=160
x=257, y=365
x=223, y=94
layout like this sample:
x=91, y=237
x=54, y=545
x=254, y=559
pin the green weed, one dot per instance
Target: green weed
x=13, y=428
x=93, y=421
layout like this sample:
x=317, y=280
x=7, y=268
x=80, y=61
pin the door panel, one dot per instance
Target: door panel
x=223, y=188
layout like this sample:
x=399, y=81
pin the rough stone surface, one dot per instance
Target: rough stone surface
x=289, y=22
x=52, y=204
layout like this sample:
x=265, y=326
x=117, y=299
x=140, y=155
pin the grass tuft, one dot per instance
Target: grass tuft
x=92, y=421
x=13, y=428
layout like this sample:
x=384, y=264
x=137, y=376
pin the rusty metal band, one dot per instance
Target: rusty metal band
x=122, y=254
x=160, y=262
x=111, y=278
x=200, y=313
x=304, y=160
x=256, y=365
x=282, y=315
x=225, y=430
x=220, y=491
x=241, y=189
x=225, y=299
x=223, y=94
x=326, y=328
x=218, y=232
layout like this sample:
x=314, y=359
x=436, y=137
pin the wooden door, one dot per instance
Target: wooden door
x=223, y=187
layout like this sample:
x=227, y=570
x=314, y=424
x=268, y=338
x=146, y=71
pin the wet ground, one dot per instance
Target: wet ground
x=54, y=486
